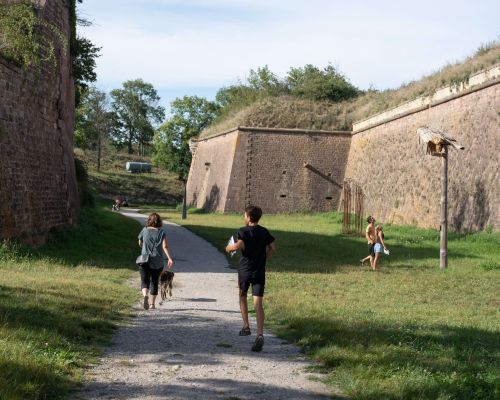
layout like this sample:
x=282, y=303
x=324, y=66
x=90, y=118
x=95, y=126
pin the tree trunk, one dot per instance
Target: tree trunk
x=184, y=207
x=99, y=151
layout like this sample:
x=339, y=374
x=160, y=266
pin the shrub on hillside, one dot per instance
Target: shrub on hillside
x=82, y=178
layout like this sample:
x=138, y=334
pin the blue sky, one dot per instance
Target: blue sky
x=194, y=47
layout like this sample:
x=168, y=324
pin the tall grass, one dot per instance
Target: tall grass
x=289, y=112
x=60, y=304
x=408, y=331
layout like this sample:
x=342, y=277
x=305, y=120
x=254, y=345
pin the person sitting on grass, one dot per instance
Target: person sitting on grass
x=379, y=246
x=256, y=245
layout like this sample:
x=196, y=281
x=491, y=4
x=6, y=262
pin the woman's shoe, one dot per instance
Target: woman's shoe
x=152, y=306
x=146, y=303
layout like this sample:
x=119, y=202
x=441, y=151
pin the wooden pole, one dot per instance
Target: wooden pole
x=443, y=248
x=184, y=206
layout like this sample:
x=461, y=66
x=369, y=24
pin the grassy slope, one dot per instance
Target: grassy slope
x=61, y=303
x=410, y=331
x=287, y=112
x=158, y=187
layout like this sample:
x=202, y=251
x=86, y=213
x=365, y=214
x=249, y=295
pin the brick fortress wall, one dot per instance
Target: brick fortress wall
x=383, y=155
x=402, y=182
x=38, y=190
x=266, y=167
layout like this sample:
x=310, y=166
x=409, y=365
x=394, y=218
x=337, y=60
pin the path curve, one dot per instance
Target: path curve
x=189, y=348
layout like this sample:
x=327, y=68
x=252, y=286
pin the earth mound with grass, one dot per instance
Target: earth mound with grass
x=293, y=112
x=158, y=187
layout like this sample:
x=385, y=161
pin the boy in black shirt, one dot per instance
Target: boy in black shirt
x=256, y=245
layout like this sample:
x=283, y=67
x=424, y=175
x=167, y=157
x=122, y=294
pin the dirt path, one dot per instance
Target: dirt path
x=189, y=348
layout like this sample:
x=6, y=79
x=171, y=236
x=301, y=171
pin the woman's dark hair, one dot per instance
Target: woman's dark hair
x=254, y=213
x=370, y=219
x=154, y=220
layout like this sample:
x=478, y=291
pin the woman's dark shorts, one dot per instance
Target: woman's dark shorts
x=257, y=280
x=371, y=249
x=149, y=278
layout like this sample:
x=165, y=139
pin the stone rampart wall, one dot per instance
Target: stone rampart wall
x=38, y=190
x=267, y=167
x=402, y=183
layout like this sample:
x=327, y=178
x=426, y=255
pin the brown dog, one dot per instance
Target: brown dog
x=166, y=279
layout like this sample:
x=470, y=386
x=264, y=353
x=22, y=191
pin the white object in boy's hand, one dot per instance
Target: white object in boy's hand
x=386, y=251
x=231, y=242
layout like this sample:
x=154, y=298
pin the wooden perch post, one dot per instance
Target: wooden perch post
x=437, y=145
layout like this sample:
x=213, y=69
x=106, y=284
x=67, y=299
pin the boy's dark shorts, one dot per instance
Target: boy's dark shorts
x=257, y=280
x=371, y=249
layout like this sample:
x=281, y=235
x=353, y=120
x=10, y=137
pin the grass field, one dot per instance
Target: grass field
x=157, y=187
x=61, y=303
x=408, y=331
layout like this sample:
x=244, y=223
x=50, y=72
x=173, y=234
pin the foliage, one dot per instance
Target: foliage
x=137, y=113
x=408, y=331
x=84, y=65
x=82, y=178
x=24, y=38
x=309, y=82
x=189, y=116
x=242, y=105
x=60, y=304
x=313, y=83
x=93, y=120
x=83, y=52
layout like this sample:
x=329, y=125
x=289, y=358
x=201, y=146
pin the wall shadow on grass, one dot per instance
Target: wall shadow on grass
x=80, y=320
x=309, y=252
x=17, y=381
x=102, y=239
x=428, y=362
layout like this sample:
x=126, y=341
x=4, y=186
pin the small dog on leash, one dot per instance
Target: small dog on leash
x=166, y=279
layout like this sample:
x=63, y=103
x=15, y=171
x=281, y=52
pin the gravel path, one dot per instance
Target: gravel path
x=189, y=348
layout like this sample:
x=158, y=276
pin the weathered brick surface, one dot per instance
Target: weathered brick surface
x=38, y=189
x=402, y=183
x=208, y=181
x=267, y=168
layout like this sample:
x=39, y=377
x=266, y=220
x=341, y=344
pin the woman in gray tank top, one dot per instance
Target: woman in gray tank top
x=153, y=241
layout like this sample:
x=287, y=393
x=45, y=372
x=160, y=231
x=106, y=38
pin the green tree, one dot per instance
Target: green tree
x=93, y=121
x=189, y=116
x=313, y=83
x=137, y=114
x=83, y=54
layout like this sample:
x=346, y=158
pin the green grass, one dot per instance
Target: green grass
x=60, y=304
x=158, y=187
x=289, y=112
x=409, y=331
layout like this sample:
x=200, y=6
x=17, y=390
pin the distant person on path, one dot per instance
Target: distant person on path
x=153, y=241
x=371, y=238
x=256, y=245
x=379, y=246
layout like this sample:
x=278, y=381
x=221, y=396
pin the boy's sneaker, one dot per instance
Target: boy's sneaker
x=258, y=344
x=146, y=303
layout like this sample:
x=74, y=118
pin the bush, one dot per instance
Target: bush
x=82, y=178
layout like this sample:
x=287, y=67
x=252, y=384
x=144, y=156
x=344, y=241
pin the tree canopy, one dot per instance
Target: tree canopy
x=137, y=114
x=189, y=116
x=308, y=82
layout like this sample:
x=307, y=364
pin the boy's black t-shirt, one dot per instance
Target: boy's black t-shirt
x=256, y=239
